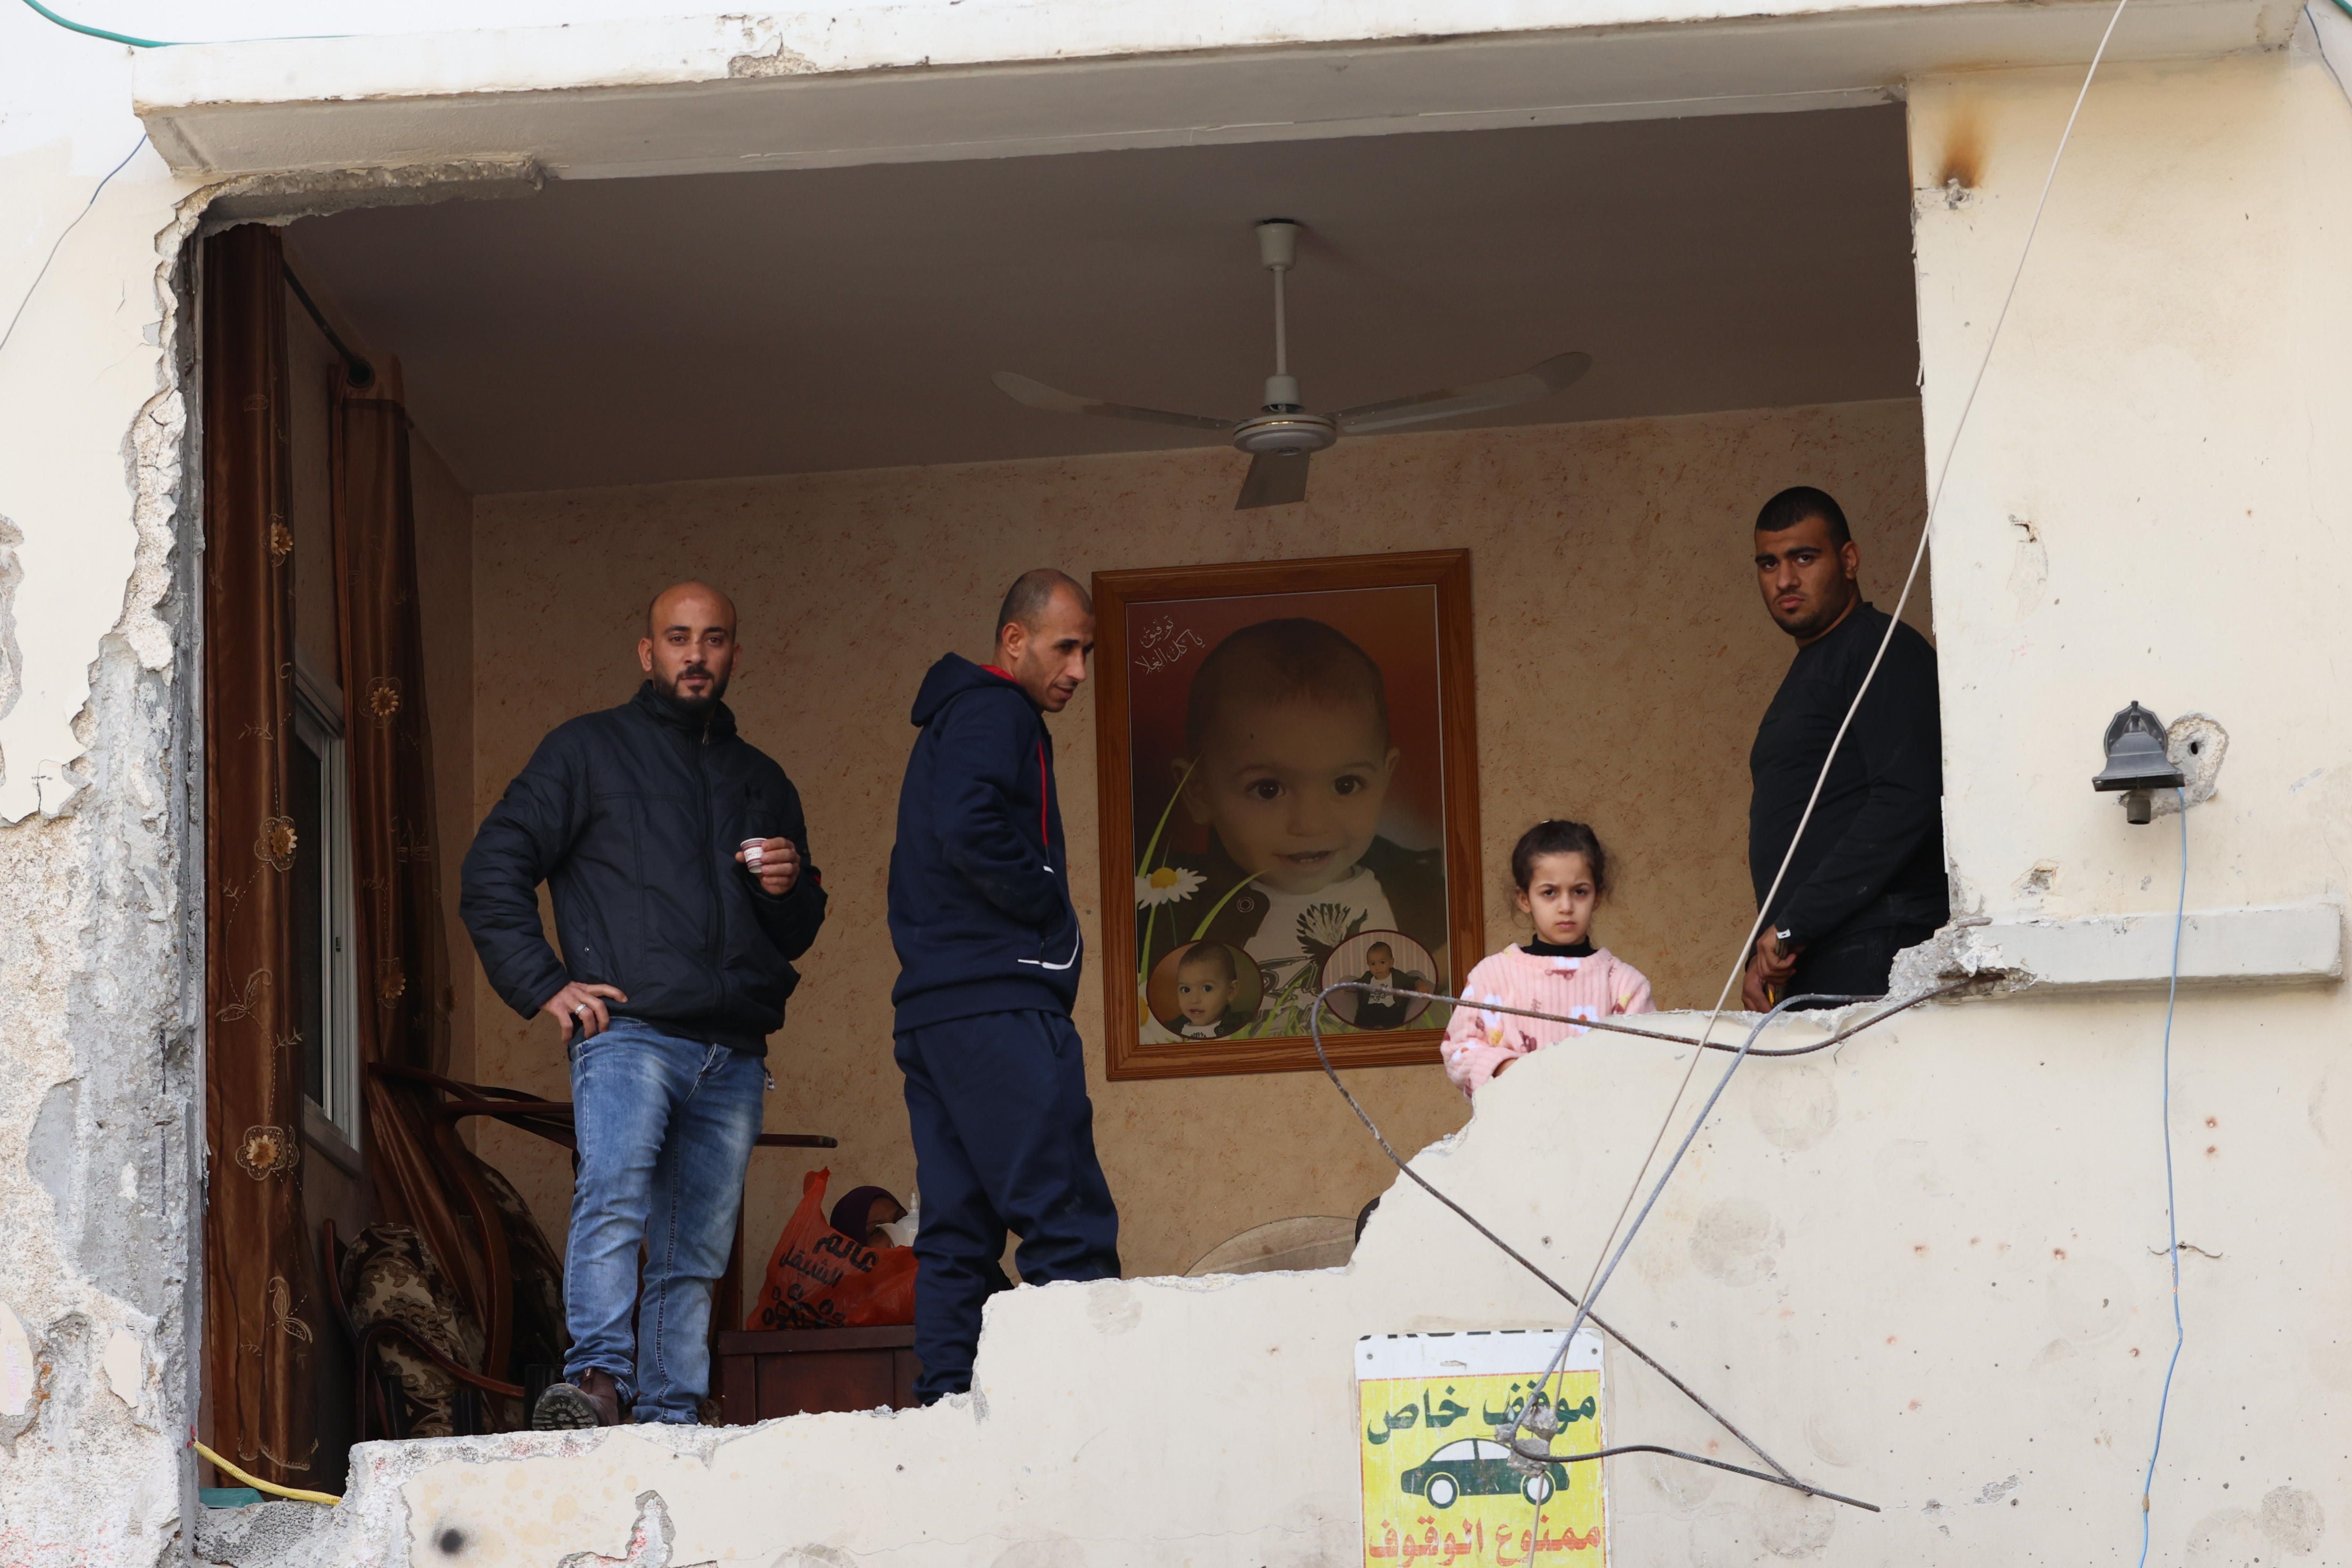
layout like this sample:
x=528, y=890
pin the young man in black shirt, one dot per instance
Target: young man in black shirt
x=1867, y=879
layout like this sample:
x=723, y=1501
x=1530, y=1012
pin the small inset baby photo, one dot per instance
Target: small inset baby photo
x=1204, y=990
x=1381, y=964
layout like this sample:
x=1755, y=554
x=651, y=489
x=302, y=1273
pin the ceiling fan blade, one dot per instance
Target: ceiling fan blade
x=1275, y=479
x=1553, y=375
x=1037, y=395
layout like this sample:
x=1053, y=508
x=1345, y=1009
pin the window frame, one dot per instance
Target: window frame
x=318, y=718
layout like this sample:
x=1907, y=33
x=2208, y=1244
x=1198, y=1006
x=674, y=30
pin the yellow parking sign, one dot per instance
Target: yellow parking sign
x=1439, y=1484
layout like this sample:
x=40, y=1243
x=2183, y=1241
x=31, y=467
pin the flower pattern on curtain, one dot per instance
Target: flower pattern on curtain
x=259, y=1296
x=406, y=996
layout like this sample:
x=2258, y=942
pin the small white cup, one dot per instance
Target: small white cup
x=752, y=848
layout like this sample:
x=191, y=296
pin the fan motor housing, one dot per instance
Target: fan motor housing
x=1288, y=431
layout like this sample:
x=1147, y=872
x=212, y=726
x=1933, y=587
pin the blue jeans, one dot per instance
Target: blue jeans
x=666, y=1127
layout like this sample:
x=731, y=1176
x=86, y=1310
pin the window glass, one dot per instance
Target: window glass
x=306, y=786
x=325, y=997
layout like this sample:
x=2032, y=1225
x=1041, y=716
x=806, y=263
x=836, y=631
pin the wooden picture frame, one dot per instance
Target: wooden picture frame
x=1353, y=853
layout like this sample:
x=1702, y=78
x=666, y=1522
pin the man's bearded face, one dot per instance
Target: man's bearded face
x=691, y=652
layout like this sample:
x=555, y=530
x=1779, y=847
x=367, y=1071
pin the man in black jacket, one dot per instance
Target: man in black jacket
x=678, y=861
x=989, y=952
x=1867, y=879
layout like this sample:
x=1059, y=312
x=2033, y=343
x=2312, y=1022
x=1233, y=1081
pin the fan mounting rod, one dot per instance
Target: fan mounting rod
x=1277, y=249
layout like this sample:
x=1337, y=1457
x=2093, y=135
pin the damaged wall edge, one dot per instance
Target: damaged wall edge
x=2285, y=945
x=313, y=193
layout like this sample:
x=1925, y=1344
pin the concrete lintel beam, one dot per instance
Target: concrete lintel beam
x=907, y=83
x=2293, y=944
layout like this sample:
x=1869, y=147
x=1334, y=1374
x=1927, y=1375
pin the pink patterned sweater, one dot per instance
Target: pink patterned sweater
x=1478, y=1041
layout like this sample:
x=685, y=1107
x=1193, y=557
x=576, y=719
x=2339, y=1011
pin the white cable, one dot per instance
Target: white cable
x=1910, y=578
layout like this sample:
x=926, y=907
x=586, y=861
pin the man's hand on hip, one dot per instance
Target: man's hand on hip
x=778, y=867
x=583, y=1006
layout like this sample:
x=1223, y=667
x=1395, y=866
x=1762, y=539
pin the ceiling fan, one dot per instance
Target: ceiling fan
x=1282, y=435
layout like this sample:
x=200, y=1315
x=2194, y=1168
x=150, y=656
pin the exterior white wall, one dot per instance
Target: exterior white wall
x=1869, y=1246
x=1916, y=1268
x=2149, y=501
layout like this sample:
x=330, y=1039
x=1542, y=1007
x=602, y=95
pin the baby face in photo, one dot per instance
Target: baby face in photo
x=1205, y=984
x=1292, y=762
x=1380, y=960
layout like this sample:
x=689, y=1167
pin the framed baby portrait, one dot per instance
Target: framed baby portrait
x=1288, y=767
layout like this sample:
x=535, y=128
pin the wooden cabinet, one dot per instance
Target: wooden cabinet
x=764, y=1374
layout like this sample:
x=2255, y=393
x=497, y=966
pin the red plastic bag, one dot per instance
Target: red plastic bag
x=820, y=1278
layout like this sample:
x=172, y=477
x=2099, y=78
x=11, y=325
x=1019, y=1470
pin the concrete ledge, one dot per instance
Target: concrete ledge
x=2293, y=944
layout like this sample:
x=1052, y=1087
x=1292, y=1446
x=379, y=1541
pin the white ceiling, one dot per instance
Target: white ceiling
x=622, y=331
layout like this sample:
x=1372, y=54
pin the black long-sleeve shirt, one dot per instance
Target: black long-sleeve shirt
x=1873, y=855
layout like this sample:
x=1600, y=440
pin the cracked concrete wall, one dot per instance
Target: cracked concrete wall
x=98, y=1041
x=1925, y=1269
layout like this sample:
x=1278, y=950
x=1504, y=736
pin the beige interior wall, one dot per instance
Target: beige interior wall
x=1623, y=661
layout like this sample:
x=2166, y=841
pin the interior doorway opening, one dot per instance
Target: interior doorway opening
x=783, y=382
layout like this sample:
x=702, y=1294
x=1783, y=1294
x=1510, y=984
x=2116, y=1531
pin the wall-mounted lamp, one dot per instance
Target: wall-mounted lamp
x=2137, y=761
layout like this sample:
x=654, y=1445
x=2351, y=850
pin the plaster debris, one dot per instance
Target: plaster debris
x=17, y=1372
x=261, y=1535
x=2197, y=743
x=777, y=61
x=650, y=1540
x=123, y=1363
x=310, y=193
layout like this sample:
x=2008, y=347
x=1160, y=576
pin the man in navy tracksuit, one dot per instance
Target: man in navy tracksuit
x=989, y=953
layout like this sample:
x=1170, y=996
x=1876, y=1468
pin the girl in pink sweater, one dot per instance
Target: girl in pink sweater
x=1561, y=871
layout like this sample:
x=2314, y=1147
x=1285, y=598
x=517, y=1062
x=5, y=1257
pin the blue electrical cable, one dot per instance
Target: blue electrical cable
x=87, y=31
x=90, y=32
x=2171, y=1213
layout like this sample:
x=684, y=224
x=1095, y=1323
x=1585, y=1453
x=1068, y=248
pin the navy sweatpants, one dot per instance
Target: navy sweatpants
x=1004, y=1141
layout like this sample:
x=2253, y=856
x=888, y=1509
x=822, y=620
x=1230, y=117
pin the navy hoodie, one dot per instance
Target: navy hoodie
x=980, y=878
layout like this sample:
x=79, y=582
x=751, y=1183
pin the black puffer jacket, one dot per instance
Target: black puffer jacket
x=632, y=816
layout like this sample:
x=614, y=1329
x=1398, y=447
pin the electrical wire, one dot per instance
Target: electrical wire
x=2171, y=1211
x=1601, y=1279
x=90, y=32
x=2320, y=38
x=1609, y=1026
x=258, y=1484
x=1910, y=579
x=87, y=31
x=1615, y=1449
x=1784, y=1477
x=60, y=240
x=356, y=370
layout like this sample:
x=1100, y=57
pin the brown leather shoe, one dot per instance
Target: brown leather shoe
x=592, y=1399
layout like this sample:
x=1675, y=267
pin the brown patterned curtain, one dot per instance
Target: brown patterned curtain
x=259, y=1273
x=404, y=983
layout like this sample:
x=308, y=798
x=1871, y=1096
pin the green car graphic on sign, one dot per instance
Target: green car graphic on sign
x=1477, y=1467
